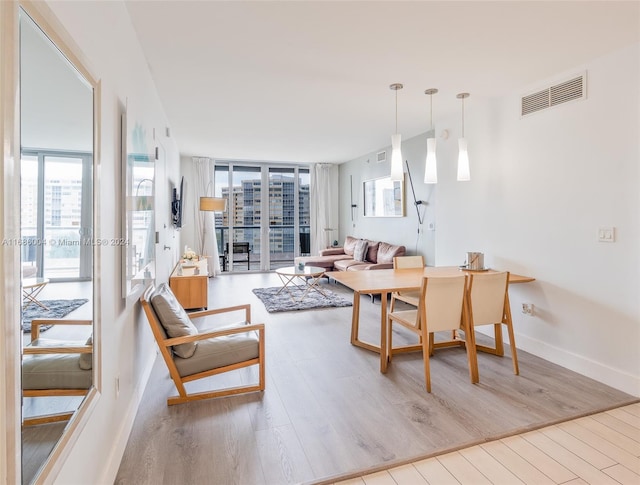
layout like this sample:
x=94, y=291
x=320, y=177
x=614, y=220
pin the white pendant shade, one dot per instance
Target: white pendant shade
x=396, y=158
x=464, y=173
x=430, y=167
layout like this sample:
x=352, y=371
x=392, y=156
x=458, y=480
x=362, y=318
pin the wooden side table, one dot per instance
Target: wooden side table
x=190, y=284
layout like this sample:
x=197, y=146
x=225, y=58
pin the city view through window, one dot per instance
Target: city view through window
x=286, y=222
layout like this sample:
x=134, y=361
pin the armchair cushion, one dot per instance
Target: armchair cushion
x=54, y=371
x=174, y=320
x=219, y=352
x=85, y=361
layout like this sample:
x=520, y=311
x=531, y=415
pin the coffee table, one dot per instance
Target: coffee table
x=304, y=280
x=31, y=288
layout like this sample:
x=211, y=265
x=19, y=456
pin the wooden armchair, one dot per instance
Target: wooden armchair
x=53, y=367
x=190, y=355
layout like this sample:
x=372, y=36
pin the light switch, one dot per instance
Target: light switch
x=606, y=234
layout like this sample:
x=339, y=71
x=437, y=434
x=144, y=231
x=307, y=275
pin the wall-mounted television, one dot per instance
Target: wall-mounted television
x=177, y=205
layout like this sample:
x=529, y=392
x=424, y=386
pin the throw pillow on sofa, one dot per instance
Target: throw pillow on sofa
x=360, y=251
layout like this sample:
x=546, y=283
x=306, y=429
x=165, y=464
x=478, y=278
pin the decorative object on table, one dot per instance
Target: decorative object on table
x=189, y=254
x=282, y=302
x=474, y=262
x=56, y=309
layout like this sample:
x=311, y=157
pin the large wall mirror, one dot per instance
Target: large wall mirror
x=57, y=113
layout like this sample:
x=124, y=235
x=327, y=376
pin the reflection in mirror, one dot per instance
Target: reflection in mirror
x=56, y=220
x=383, y=197
x=139, y=173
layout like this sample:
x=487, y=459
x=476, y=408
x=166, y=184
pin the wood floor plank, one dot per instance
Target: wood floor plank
x=379, y=478
x=543, y=462
x=577, y=465
x=623, y=475
x=489, y=466
x=632, y=409
x=407, y=475
x=614, y=452
x=609, y=434
x=628, y=418
x=620, y=426
x=578, y=447
x=435, y=472
x=462, y=470
x=520, y=467
x=282, y=457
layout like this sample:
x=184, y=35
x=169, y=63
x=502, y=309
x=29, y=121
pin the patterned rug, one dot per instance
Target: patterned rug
x=57, y=309
x=284, y=303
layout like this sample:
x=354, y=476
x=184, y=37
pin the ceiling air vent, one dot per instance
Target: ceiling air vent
x=381, y=157
x=570, y=90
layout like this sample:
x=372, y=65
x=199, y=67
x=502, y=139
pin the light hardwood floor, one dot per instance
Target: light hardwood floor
x=600, y=449
x=328, y=411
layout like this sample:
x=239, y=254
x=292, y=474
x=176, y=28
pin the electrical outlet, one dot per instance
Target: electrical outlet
x=527, y=309
x=606, y=234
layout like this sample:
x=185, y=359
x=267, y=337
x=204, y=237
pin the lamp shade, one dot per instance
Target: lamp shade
x=430, y=167
x=213, y=204
x=396, y=158
x=464, y=174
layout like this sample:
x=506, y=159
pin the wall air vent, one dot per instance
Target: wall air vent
x=381, y=157
x=575, y=88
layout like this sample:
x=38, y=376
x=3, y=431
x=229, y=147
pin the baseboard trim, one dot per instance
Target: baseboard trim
x=120, y=443
x=616, y=378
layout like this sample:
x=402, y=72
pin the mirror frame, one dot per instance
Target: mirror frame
x=10, y=408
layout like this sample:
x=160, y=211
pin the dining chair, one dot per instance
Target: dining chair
x=190, y=354
x=410, y=297
x=441, y=306
x=488, y=301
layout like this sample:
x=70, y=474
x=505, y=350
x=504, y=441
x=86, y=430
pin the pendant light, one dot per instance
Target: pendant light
x=464, y=174
x=430, y=166
x=396, y=151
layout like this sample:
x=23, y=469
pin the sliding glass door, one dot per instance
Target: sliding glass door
x=247, y=240
x=56, y=199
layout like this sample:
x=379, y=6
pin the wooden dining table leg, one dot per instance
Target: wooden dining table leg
x=383, y=332
x=355, y=317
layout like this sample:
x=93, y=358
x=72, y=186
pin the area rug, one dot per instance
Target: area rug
x=57, y=309
x=284, y=303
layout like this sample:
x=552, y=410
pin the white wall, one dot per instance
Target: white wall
x=105, y=35
x=395, y=230
x=540, y=188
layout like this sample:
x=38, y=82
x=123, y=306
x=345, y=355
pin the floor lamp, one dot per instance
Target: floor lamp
x=212, y=204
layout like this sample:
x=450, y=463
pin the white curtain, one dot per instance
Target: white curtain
x=324, y=205
x=203, y=173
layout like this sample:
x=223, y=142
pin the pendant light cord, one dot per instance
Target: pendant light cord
x=462, y=117
x=396, y=111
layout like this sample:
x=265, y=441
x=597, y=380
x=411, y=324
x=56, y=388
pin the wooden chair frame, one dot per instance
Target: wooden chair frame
x=497, y=327
x=420, y=326
x=399, y=262
x=34, y=350
x=165, y=345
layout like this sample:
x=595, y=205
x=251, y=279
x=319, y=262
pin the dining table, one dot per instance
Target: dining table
x=383, y=282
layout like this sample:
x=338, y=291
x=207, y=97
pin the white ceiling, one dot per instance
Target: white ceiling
x=309, y=81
